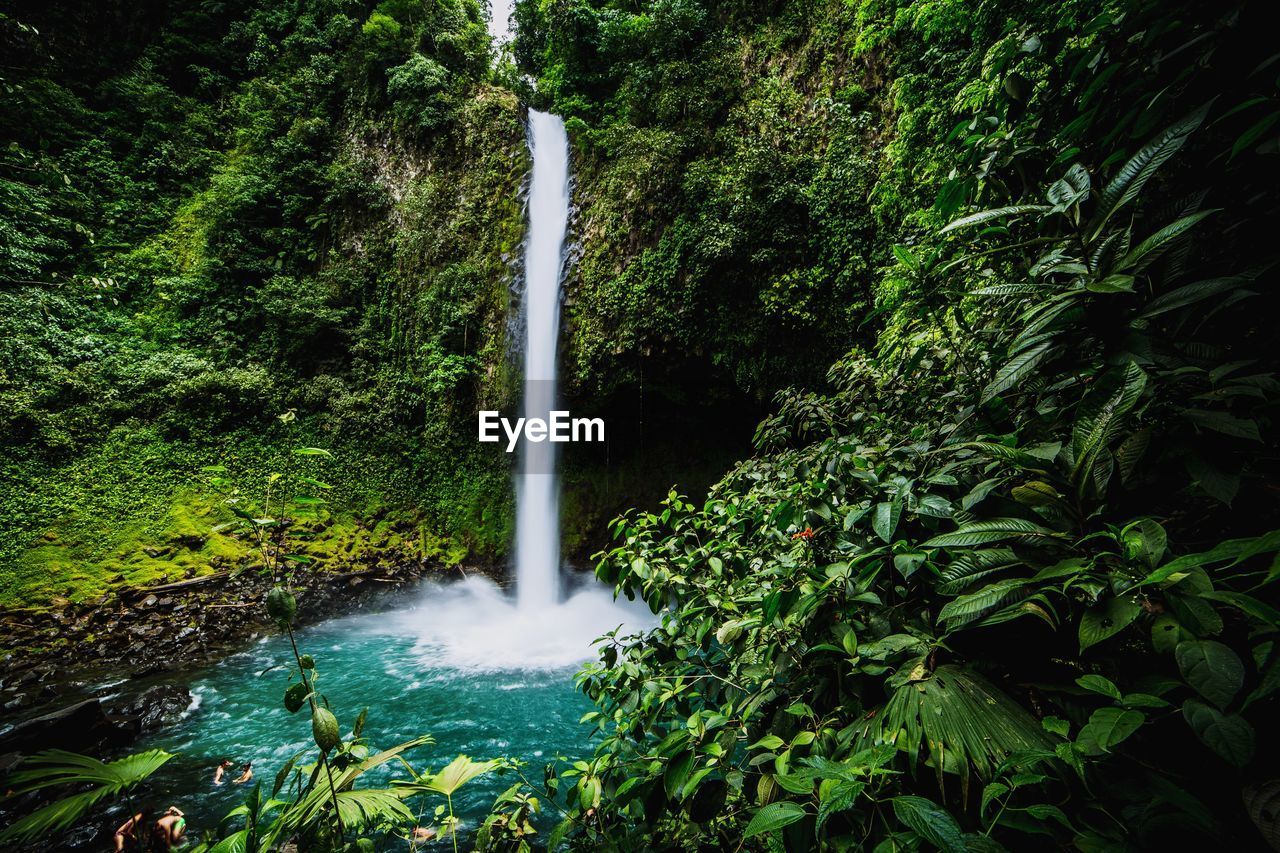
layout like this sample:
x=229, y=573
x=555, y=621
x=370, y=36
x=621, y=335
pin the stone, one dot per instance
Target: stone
x=76, y=727
x=158, y=706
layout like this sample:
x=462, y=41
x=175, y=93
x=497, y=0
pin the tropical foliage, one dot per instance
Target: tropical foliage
x=1000, y=571
x=100, y=781
x=1010, y=580
x=218, y=212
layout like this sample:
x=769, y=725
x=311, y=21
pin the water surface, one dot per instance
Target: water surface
x=461, y=663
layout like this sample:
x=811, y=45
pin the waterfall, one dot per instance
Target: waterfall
x=537, y=479
x=538, y=482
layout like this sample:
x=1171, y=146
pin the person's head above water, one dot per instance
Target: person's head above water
x=248, y=765
x=226, y=762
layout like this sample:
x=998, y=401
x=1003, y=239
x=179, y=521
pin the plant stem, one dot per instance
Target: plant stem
x=324, y=758
x=453, y=824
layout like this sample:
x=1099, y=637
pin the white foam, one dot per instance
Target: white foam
x=197, y=699
x=473, y=626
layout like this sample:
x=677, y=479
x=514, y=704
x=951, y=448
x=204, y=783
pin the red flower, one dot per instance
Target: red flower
x=805, y=534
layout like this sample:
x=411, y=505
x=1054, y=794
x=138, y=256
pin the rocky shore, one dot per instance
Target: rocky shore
x=86, y=676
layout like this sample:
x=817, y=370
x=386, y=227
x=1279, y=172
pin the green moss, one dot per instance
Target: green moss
x=138, y=511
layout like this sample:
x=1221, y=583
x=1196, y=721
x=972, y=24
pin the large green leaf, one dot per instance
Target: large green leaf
x=1133, y=176
x=993, y=530
x=320, y=798
x=58, y=768
x=1262, y=801
x=1108, y=727
x=958, y=718
x=1013, y=455
x=1229, y=735
x=1101, y=413
x=1257, y=609
x=236, y=842
x=457, y=773
x=1141, y=255
x=835, y=796
x=677, y=773
x=1018, y=366
x=931, y=822
x=989, y=215
x=1212, y=669
x=1106, y=619
x=371, y=807
x=972, y=607
x=1232, y=552
x=1224, y=422
x=774, y=816
x=885, y=520
x=1190, y=294
x=972, y=566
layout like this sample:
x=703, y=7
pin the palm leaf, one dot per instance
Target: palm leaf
x=372, y=805
x=320, y=798
x=459, y=771
x=57, y=767
x=49, y=821
x=958, y=719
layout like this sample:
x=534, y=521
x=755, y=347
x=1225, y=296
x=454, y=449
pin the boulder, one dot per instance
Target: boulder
x=77, y=727
x=158, y=706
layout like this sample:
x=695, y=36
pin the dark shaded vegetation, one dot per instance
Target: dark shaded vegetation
x=1004, y=578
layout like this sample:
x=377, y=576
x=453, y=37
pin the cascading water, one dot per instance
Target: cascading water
x=537, y=484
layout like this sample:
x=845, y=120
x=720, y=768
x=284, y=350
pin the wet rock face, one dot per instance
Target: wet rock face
x=158, y=706
x=77, y=727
